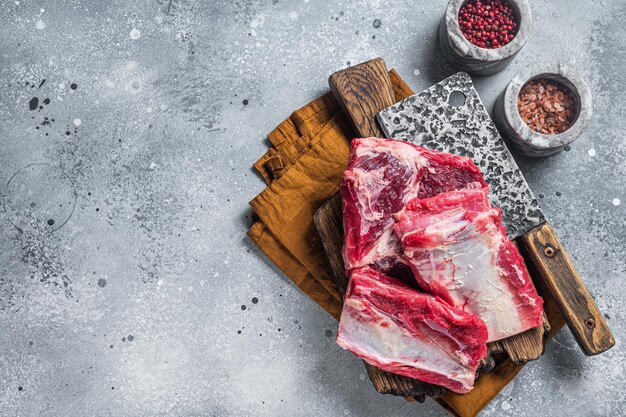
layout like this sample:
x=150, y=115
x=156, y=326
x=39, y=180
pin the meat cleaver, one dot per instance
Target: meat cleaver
x=450, y=117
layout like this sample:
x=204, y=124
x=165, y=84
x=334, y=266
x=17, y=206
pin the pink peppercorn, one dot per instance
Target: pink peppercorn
x=488, y=23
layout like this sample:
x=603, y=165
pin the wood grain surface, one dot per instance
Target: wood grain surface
x=362, y=91
x=328, y=220
x=542, y=246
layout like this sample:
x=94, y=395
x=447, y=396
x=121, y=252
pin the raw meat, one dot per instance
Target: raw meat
x=458, y=250
x=401, y=330
x=382, y=176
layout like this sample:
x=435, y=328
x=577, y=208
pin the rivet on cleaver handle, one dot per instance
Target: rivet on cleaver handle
x=557, y=271
x=362, y=91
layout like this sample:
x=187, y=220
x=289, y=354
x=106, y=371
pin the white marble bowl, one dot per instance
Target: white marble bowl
x=466, y=56
x=528, y=141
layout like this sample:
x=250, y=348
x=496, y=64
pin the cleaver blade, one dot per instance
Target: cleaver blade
x=450, y=117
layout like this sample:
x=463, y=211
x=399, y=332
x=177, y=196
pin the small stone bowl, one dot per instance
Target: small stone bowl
x=527, y=141
x=466, y=56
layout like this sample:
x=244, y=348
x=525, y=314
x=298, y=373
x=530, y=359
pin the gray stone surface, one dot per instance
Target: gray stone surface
x=132, y=306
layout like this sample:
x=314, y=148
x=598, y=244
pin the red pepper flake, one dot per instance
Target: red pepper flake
x=546, y=107
x=488, y=24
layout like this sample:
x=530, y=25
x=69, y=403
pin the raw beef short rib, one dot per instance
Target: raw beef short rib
x=402, y=330
x=458, y=250
x=382, y=176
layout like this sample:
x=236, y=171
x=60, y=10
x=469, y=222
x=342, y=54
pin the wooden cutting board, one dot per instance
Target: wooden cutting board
x=361, y=106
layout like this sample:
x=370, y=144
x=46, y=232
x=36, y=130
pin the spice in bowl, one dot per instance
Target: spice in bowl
x=546, y=107
x=488, y=23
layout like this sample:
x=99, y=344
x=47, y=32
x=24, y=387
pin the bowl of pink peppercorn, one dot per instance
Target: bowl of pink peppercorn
x=543, y=109
x=481, y=37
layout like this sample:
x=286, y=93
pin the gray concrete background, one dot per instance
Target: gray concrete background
x=130, y=302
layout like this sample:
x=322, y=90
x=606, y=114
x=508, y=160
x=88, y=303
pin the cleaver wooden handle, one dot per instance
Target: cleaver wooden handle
x=555, y=268
x=362, y=91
